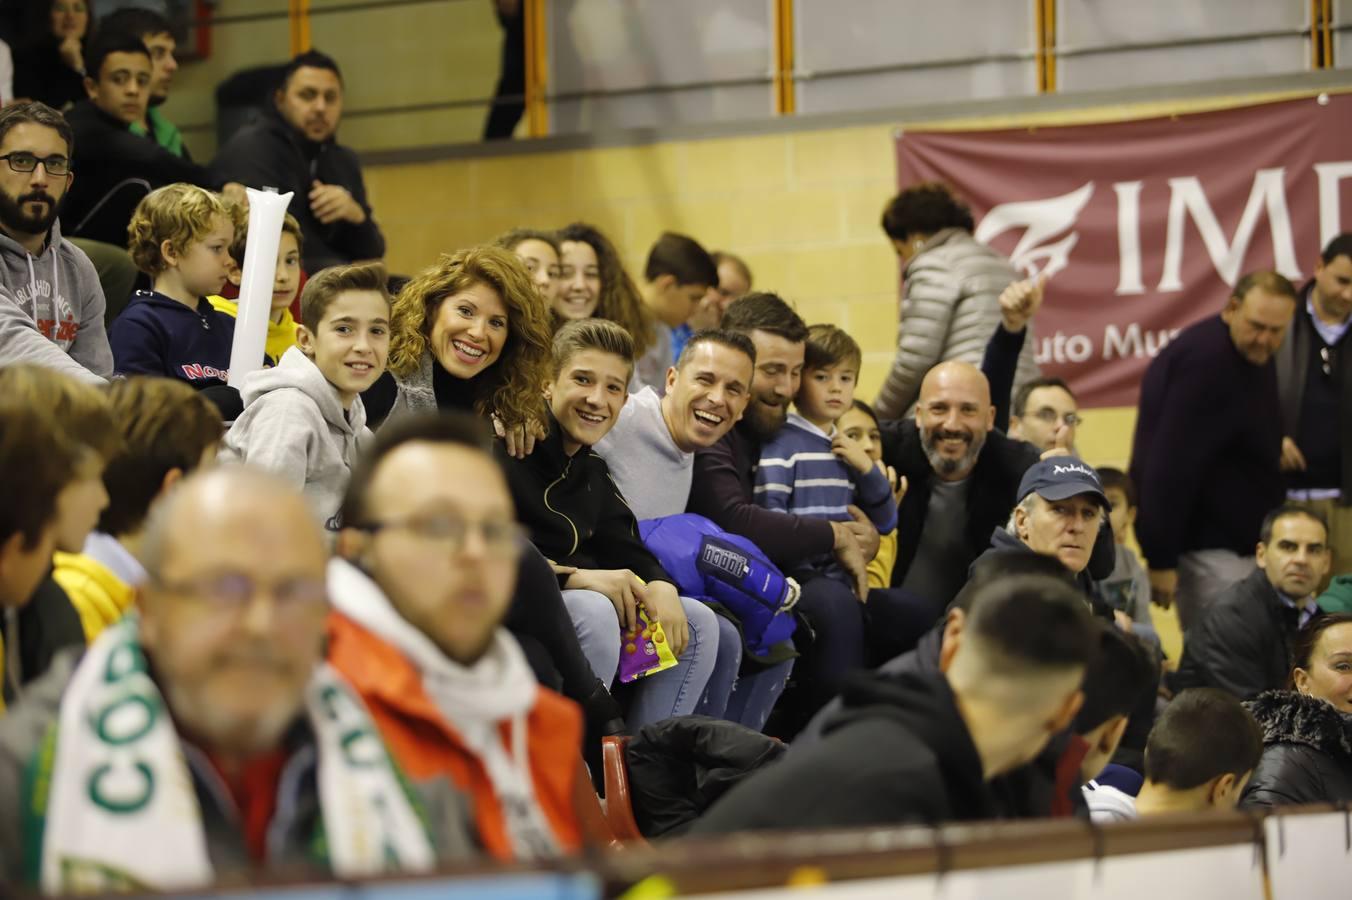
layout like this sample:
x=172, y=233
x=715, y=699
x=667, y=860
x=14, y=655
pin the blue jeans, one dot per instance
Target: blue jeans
x=675, y=692
x=742, y=697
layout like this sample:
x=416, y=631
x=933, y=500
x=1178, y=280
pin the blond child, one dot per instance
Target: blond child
x=285, y=284
x=179, y=236
x=304, y=420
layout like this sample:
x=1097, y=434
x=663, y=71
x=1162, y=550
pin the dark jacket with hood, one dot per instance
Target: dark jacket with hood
x=680, y=766
x=157, y=335
x=114, y=170
x=1298, y=365
x=270, y=153
x=1001, y=541
x=574, y=510
x=1243, y=643
x=898, y=753
x=1307, y=752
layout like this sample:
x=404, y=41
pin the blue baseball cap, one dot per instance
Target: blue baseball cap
x=1061, y=477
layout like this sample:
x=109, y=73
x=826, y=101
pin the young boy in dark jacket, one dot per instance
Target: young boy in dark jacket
x=179, y=235
x=577, y=518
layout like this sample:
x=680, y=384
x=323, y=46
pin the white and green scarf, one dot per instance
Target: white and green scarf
x=111, y=804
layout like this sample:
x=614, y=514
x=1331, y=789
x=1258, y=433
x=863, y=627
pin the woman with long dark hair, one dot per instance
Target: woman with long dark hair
x=49, y=63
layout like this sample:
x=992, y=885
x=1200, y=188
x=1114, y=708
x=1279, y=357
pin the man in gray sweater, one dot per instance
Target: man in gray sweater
x=51, y=304
x=651, y=455
x=651, y=449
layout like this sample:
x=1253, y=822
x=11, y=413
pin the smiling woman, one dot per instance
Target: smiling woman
x=470, y=333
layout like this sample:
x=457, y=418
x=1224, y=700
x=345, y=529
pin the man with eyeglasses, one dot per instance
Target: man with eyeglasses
x=51, y=304
x=1206, y=455
x=1314, y=381
x=425, y=577
x=204, y=739
x=1045, y=414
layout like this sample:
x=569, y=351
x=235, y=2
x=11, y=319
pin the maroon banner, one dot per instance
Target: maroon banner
x=1144, y=226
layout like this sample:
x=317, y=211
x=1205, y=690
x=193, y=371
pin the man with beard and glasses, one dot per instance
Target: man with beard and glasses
x=204, y=739
x=51, y=304
x=723, y=492
x=1207, y=453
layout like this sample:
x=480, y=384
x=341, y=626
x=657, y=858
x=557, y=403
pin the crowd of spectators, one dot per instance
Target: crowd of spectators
x=376, y=608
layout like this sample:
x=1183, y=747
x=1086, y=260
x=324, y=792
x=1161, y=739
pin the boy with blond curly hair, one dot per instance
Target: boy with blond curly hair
x=180, y=236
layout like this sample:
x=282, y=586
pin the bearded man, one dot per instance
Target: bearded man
x=51, y=304
x=964, y=480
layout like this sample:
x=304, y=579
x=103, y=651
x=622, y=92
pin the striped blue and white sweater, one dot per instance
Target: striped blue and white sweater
x=799, y=474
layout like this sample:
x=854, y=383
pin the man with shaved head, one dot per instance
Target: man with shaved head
x=202, y=738
x=964, y=479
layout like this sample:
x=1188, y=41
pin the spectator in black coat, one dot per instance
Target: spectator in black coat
x=48, y=62
x=922, y=748
x=1206, y=457
x=1307, y=732
x=1244, y=642
x=293, y=147
x=115, y=168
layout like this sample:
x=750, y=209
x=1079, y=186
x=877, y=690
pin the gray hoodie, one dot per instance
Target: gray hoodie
x=294, y=426
x=51, y=309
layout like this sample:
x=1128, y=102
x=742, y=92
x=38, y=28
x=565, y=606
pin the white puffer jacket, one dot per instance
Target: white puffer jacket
x=950, y=310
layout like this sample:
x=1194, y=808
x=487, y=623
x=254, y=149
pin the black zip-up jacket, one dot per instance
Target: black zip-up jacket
x=270, y=153
x=115, y=169
x=1243, y=643
x=898, y=753
x=574, y=510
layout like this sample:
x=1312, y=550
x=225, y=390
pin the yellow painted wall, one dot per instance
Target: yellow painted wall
x=802, y=209
x=403, y=55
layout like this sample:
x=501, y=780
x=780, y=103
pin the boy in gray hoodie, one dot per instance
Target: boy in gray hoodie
x=304, y=419
x=51, y=303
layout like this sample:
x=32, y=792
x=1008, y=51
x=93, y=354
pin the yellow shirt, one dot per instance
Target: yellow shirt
x=281, y=335
x=880, y=569
x=99, y=596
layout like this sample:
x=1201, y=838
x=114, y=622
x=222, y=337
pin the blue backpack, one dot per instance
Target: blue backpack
x=711, y=565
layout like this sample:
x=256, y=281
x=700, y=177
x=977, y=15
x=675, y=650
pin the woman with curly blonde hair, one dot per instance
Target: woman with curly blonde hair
x=472, y=333
x=468, y=333
x=596, y=285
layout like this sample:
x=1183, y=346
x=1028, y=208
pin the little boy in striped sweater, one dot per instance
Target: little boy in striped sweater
x=810, y=468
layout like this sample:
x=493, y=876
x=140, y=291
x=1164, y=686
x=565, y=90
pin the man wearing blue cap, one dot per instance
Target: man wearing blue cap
x=1060, y=511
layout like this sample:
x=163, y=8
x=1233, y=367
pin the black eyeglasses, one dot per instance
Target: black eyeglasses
x=1327, y=360
x=502, y=538
x=27, y=162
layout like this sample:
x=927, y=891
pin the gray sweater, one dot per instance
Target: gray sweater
x=653, y=474
x=51, y=309
x=294, y=426
x=950, y=310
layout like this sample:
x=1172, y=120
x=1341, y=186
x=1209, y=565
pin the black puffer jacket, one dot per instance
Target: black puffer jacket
x=1307, y=752
x=678, y=767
